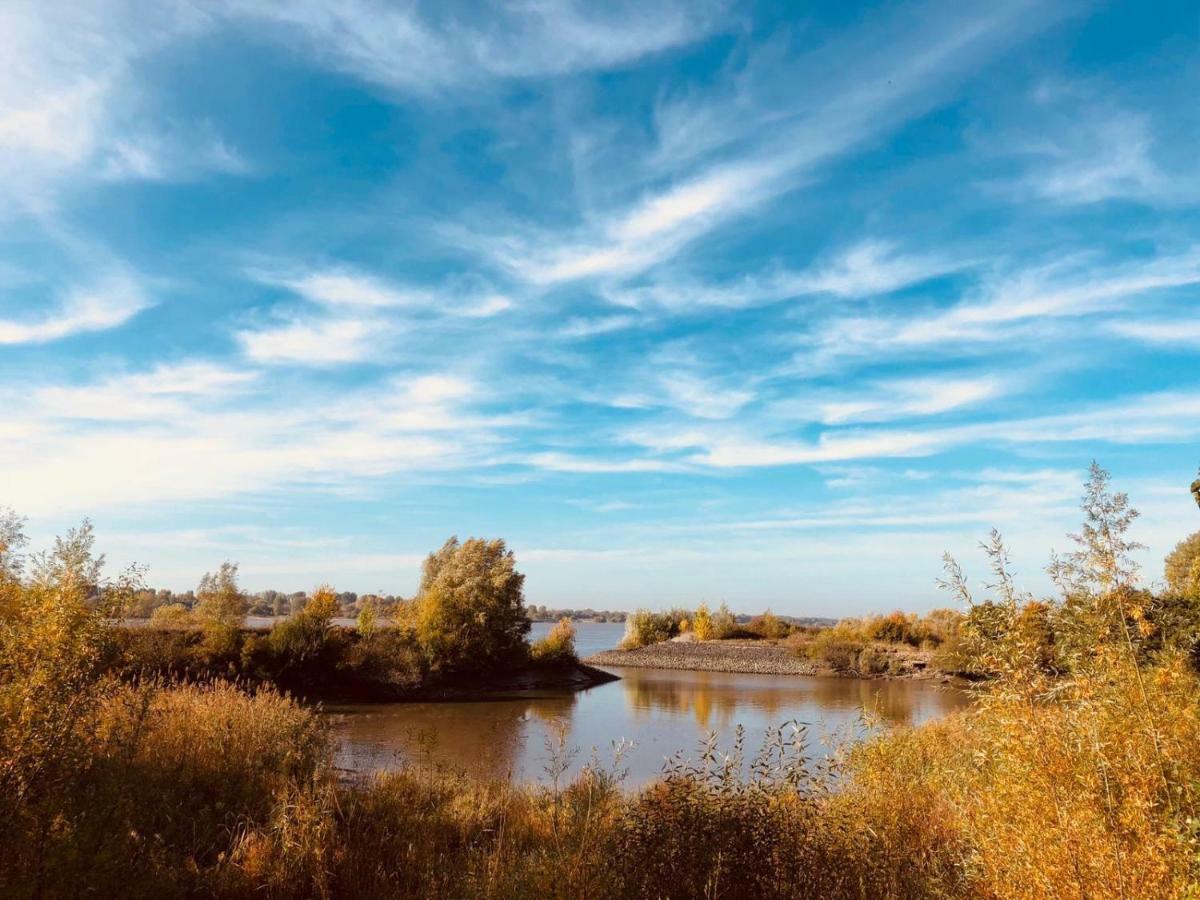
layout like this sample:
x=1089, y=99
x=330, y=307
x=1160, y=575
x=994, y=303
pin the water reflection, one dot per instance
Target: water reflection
x=662, y=712
x=486, y=740
x=715, y=701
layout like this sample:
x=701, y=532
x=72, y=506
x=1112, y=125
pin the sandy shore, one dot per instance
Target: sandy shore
x=756, y=657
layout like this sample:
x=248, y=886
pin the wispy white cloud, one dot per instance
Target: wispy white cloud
x=195, y=432
x=907, y=70
x=580, y=327
x=1168, y=417
x=314, y=340
x=346, y=291
x=1081, y=144
x=704, y=397
x=868, y=268
x=69, y=106
x=107, y=304
x=170, y=155
x=168, y=391
x=427, y=49
x=1006, y=306
x=910, y=397
x=648, y=232
x=587, y=465
x=358, y=315
x=1172, y=332
x=344, y=288
x=1109, y=158
x=734, y=452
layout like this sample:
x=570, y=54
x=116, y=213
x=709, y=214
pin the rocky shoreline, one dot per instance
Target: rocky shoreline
x=742, y=656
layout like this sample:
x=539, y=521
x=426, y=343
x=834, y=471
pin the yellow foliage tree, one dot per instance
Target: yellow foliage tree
x=470, y=612
x=220, y=602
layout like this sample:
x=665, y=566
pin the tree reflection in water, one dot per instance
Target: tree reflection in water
x=714, y=699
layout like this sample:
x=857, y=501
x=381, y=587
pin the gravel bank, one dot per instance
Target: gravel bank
x=756, y=657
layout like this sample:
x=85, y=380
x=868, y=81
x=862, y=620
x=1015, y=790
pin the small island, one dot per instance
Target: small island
x=463, y=637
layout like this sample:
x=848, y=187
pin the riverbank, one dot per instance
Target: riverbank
x=761, y=657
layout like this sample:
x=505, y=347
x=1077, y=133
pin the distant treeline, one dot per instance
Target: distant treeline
x=547, y=614
x=264, y=603
x=350, y=604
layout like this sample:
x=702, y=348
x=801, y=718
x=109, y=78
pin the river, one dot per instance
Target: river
x=660, y=712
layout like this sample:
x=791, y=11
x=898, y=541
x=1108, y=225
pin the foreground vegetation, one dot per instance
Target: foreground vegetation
x=1071, y=777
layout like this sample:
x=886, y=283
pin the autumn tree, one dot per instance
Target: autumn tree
x=1182, y=569
x=368, y=618
x=72, y=563
x=303, y=635
x=470, y=611
x=12, y=540
x=221, y=607
x=723, y=622
x=53, y=641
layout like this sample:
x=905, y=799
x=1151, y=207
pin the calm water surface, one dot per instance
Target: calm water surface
x=662, y=712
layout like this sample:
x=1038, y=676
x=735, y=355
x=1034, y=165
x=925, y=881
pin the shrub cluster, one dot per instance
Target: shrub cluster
x=557, y=647
x=873, y=645
x=644, y=627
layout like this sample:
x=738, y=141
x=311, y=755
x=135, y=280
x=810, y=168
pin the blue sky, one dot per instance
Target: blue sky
x=761, y=303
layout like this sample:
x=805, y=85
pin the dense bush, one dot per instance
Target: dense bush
x=557, y=647
x=1182, y=568
x=769, y=626
x=172, y=615
x=302, y=637
x=643, y=628
x=875, y=644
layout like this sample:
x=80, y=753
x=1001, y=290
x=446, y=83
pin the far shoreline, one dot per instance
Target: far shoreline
x=758, y=657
